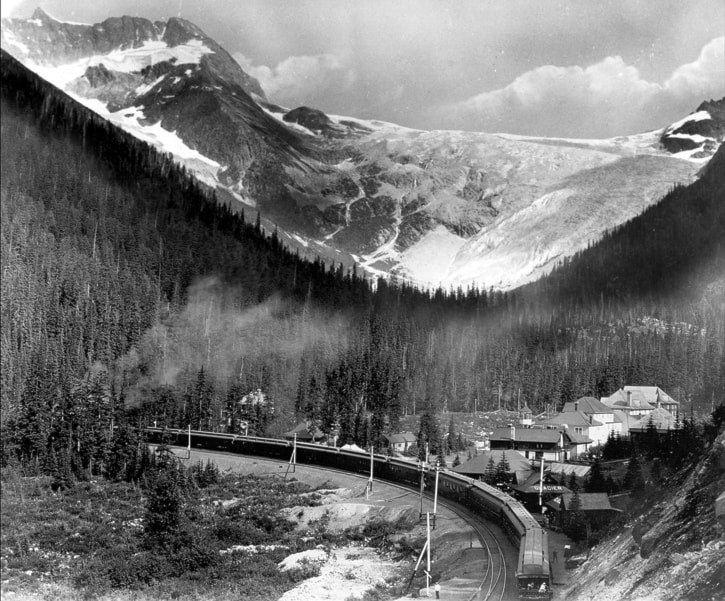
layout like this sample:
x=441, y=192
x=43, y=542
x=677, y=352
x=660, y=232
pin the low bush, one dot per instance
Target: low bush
x=92, y=537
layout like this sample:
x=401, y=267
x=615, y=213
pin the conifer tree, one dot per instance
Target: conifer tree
x=651, y=440
x=633, y=479
x=502, y=475
x=575, y=525
x=595, y=480
x=427, y=433
x=489, y=475
x=163, y=519
x=452, y=441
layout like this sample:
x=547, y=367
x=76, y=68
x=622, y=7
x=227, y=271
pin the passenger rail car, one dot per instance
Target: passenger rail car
x=533, y=573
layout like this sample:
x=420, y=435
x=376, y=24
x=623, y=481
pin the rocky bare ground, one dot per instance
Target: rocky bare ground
x=673, y=551
x=346, y=572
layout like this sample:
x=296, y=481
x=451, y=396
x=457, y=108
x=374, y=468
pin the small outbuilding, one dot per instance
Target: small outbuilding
x=304, y=433
x=595, y=506
x=401, y=441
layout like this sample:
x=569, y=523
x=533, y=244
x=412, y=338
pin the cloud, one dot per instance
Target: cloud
x=604, y=99
x=299, y=78
x=703, y=75
x=7, y=8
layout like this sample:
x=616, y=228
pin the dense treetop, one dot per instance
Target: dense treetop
x=129, y=292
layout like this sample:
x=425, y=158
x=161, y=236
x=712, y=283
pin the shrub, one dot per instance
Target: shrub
x=141, y=569
x=303, y=570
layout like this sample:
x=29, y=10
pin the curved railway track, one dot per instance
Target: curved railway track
x=493, y=582
x=532, y=577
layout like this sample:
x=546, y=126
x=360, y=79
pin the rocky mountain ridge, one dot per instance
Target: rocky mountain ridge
x=674, y=550
x=437, y=208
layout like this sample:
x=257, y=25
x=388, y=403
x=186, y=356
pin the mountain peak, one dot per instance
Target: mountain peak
x=179, y=31
x=434, y=208
x=698, y=135
x=40, y=14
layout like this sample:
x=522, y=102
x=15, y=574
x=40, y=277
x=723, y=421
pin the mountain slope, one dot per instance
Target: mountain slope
x=675, y=550
x=434, y=208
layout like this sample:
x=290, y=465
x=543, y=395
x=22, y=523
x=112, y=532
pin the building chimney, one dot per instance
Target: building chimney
x=629, y=398
x=513, y=432
x=576, y=405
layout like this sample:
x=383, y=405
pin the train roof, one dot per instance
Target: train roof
x=522, y=514
x=534, y=554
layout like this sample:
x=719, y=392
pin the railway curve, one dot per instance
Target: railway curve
x=484, y=504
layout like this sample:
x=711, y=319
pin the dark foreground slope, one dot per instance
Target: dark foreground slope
x=673, y=550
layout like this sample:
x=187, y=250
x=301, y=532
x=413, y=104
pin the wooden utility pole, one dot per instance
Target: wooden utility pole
x=422, y=485
x=427, y=569
x=369, y=487
x=293, y=459
x=541, y=483
x=435, y=495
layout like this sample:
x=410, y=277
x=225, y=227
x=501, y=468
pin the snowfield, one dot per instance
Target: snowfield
x=435, y=208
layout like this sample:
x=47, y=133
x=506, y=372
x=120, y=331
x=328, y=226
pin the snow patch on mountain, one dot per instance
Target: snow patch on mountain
x=431, y=257
x=131, y=60
x=449, y=208
x=696, y=116
x=131, y=120
x=10, y=38
x=45, y=13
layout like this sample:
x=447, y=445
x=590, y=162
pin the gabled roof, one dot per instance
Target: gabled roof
x=577, y=438
x=303, y=432
x=526, y=435
x=651, y=394
x=400, y=437
x=538, y=435
x=572, y=418
x=477, y=465
x=589, y=501
x=531, y=485
x=660, y=418
x=639, y=398
x=567, y=469
x=625, y=418
x=620, y=400
x=588, y=405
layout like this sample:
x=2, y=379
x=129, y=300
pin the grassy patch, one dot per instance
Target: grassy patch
x=89, y=540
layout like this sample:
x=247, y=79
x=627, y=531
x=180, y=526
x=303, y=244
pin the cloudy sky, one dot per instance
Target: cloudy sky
x=539, y=67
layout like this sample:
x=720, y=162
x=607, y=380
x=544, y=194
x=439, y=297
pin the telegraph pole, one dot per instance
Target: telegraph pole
x=422, y=485
x=369, y=487
x=541, y=483
x=293, y=459
x=427, y=571
x=435, y=494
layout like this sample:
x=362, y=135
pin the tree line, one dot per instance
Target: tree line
x=131, y=296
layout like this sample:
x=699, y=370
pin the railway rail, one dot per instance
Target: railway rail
x=533, y=572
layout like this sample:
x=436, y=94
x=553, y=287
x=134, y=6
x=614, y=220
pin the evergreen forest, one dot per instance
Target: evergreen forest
x=131, y=296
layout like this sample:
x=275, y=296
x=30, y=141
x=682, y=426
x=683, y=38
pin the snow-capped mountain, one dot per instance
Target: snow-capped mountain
x=698, y=135
x=436, y=207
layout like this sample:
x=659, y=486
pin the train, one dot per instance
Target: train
x=533, y=571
